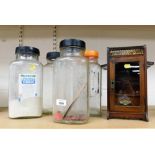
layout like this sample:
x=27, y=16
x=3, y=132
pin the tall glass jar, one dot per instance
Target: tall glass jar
x=25, y=84
x=48, y=82
x=70, y=75
x=94, y=83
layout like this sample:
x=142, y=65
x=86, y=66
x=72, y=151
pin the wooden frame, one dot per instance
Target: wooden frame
x=130, y=54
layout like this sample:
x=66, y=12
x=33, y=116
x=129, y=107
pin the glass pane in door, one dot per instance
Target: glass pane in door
x=127, y=83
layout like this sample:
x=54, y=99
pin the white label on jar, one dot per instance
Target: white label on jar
x=61, y=102
x=27, y=86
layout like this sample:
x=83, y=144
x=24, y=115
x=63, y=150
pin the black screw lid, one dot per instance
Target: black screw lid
x=52, y=55
x=73, y=43
x=27, y=50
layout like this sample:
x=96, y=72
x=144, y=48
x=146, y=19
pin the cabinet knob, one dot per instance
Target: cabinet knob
x=112, y=84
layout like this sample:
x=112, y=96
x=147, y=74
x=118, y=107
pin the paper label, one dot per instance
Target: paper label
x=61, y=102
x=27, y=86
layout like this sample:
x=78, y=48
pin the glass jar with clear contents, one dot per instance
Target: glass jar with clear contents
x=94, y=83
x=70, y=75
x=48, y=82
x=25, y=84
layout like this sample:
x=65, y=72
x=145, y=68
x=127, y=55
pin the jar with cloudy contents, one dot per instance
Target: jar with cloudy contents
x=48, y=82
x=94, y=90
x=25, y=84
x=70, y=86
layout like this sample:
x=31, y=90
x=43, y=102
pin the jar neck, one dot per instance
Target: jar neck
x=50, y=61
x=93, y=59
x=27, y=57
x=71, y=51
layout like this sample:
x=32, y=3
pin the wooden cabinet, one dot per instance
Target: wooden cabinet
x=127, y=82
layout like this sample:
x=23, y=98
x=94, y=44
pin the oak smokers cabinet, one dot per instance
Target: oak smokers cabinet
x=127, y=83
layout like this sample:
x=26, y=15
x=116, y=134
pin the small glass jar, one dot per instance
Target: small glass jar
x=70, y=75
x=25, y=84
x=48, y=82
x=94, y=90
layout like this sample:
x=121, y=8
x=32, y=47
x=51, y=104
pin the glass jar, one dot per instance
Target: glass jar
x=70, y=75
x=94, y=83
x=48, y=82
x=25, y=84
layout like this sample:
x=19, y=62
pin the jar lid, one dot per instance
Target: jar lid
x=52, y=55
x=72, y=43
x=91, y=53
x=27, y=50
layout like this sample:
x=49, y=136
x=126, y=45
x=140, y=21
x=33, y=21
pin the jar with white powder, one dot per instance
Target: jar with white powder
x=25, y=84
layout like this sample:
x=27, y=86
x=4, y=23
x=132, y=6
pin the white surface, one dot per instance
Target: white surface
x=81, y=12
x=96, y=37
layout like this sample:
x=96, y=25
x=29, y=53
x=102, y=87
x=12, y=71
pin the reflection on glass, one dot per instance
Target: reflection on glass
x=127, y=83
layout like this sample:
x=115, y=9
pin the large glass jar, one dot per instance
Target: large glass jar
x=70, y=75
x=25, y=84
x=48, y=82
x=94, y=83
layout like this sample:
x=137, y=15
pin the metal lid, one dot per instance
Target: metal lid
x=72, y=43
x=27, y=50
x=52, y=55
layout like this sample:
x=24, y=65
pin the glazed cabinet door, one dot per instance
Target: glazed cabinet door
x=126, y=84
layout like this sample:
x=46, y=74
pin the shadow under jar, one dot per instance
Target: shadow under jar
x=71, y=77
